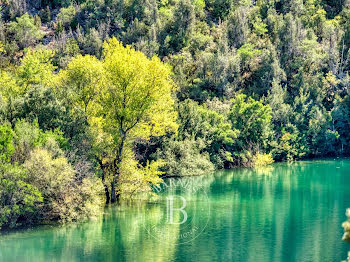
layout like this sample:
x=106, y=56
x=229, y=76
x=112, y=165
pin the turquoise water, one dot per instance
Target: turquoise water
x=286, y=212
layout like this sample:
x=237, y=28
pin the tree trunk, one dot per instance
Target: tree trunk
x=117, y=162
x=106, y=193
x=106, y=188
x=113, y=194
x=103, y=180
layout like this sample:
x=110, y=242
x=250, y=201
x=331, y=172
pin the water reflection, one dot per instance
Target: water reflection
x=286, y=212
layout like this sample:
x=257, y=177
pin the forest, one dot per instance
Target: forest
x=99, y=100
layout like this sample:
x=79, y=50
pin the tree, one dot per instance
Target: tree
x=208, y=128
x=36, y=68
x=184, y=158
x=67, y=16
x=44, y=105
x=238, y=27
x=181, y=26
x=26, y=33
x=219, y=9
x=253, y=121
x=93, y=43
x=84, y=76
x=136, y=102
x=45, y=14
x=281, y=110
x=8, y=86
x=341, y=123
x=290, y=144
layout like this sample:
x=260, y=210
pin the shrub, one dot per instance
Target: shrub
x=262, y=159
x=346, y=226
x=65, y=198
x=6, y=143
x=183, y=158
x=67, y=16
x=25, y=31
x=19, y=200
x=28, y=137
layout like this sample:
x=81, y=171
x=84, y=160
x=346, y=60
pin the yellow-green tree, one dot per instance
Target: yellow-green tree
x=136, y=101
x=36, y=68
x=84, y=76
x=8, y=86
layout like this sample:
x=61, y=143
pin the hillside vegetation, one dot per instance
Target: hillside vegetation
x=100, y=99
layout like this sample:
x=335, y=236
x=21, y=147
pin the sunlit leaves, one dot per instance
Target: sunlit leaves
x=252, y=119
x=138, y=92
x=85, y=77
x=36, y=68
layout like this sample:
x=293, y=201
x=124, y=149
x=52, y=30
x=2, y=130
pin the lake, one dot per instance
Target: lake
x=284, y=212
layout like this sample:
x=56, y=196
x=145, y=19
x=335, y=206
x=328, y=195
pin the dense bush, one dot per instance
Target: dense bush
x=183, y=158
x=37, y=181
x=67, y=16
x=211, y=130
x=64, y=198
x=25, y=31
x=19, y=200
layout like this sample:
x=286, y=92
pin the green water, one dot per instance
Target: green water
x=287, y=212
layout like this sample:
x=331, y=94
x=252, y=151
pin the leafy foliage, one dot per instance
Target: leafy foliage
x=36, y=68
x=64, y=198
x=25, y=31
x=346, y=226
x=85, y=77
x=19, y=200
x=253, y=120
x=6, y=143
x=185, y=159
x=137, y=101
x=128, y=91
